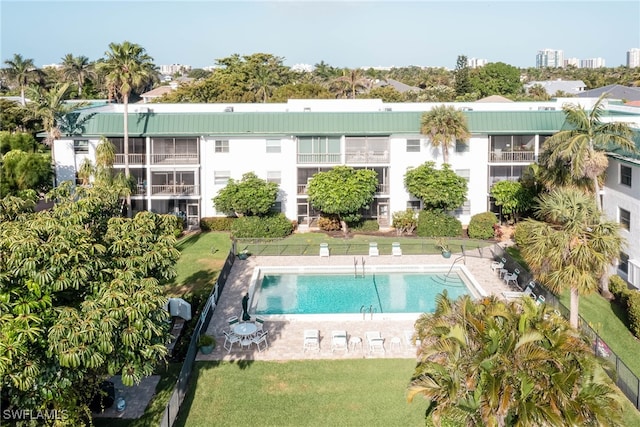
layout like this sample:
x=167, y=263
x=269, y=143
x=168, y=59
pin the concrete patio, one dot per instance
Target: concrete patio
x=286, y=336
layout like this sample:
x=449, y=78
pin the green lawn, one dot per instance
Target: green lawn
x=302, y=393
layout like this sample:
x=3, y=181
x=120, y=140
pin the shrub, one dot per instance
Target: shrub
x=367, y=225
x=216, y=223
x=618, y=288
x=262, y=227
x=520, y=234
x=405, y=222
x=437, y=224
x=481, y=226
x=180, y=223
x=633, y=312
x=329, y=223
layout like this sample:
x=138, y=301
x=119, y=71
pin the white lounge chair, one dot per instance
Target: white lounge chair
x=373, y=249
x=311, y=340
x=339, y=341
x=497, y=265
x=396, y=250
x=261, y=340
x=324, y=249
x=375, y=341
x=528, y=292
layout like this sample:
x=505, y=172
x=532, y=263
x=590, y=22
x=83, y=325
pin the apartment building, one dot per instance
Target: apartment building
x=181, y=155
x=633, y=58
x=550, y=58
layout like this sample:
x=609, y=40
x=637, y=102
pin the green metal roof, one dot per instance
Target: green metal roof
x=312, y=123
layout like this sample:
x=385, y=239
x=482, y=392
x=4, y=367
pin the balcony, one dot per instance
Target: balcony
x=174, y=158
x=367, y=157
x=175, y=190
x=382, y=189
x=499, y=156
x=134, y=159
x=319, y=158
x=302, y=189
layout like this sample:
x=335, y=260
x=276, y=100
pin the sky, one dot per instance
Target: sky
x=341, y=33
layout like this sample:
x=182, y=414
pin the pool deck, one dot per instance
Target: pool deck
x=286, y=336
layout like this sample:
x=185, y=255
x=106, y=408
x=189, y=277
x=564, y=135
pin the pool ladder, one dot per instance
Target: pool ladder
x=364, y=310
x=355, y=267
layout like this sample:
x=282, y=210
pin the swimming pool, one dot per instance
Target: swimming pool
x=383, y=290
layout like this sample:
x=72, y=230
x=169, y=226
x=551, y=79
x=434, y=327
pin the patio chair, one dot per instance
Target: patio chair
x=375, y=341
x=339, y=341
x=512, y=278
x=311, y=340
x=229, y=340
x=233, y=320
x=259, y=326
x=498, y=265
x=261, y=340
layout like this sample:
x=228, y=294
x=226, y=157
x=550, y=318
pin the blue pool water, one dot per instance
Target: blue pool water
x=344, y=293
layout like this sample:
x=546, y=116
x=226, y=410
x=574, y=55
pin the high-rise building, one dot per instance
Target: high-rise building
x=572, y=61
x=592, y=63
x=550, y=58
x=477, y=62
x=633, y=57
x=174, y=68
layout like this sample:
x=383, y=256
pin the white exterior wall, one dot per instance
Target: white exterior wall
x=67, y=161
x=618, y=196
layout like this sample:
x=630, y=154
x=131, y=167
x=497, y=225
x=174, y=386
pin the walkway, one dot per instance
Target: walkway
x=285, y=337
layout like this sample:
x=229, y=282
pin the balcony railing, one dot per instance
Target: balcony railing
x=169, y=158
x=382, y=189
x=175, y=189
x=498, y=156
x=319, y=158
x=370, y=157
x=134, y=159
x=302, y=188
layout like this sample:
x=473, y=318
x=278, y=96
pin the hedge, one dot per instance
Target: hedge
x=481, y=226
x=216, y=223
x=262, y=227
x=437, y=224
x=629, y=299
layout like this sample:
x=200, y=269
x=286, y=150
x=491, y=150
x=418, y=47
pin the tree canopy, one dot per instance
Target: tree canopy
x=343, y=191
x=250, y=196
x=497, y=78
x=512, y=197
x=497, y=363
x=439, y=189
x=81, y=300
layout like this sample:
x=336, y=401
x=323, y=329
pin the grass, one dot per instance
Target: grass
x=302, y=393
x=202, y=256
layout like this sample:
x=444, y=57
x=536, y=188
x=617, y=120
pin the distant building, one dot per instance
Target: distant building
x=620, y=92
x=399, y=86
x=569, y=87
x=174, y=68
x=477, y=62
x=550, y=58
x=633, y=58
x=304, y=68
x=592, y=63
x=574, y=62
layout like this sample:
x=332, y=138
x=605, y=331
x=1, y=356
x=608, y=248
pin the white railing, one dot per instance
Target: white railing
x=302, y=188
x=319, y=158
x=512, y=156
x=382, y=189
x=174, y=158
x=175, y=189
x=134, y=159
x=370, y=157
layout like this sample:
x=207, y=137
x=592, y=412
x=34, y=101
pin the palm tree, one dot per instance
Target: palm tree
x=351, y=81
x=581, y=148
x=444, y=125
x=126, y=67
x=77, y=69
x=21, y=71
x=50, y=107
x=572, y=245
x=498, y=363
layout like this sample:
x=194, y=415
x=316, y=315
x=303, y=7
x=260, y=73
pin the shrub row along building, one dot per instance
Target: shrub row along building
x=181, y=155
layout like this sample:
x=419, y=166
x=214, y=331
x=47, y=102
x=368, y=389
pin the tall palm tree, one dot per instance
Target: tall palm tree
x=50, y=107
x=127, y=67
x=571, y=245
x=444, y=125
x=77, y=69
x=352, y=81
x=580, y=149
x=21, y=71
x=498, y=363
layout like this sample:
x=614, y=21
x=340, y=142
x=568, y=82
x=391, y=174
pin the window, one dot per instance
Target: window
x=623, y=263
x=414, y=205
x=625, y=175
x=462, y=146
x=222, y=146
x=221, y=177
x=465, y=209
x=277, y=207
x=624, y=218
x=273, y=146
x=81, y=146
x=463, y=173
x=274, y=176
x=413, y=145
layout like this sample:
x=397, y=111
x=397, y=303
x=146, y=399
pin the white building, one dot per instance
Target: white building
x=633, y=57
x=477, y=62
x=592, y=63
x=182, y=154
x=172, y=69
x=550, y=58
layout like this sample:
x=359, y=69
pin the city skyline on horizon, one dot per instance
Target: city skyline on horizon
x=358, y=33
